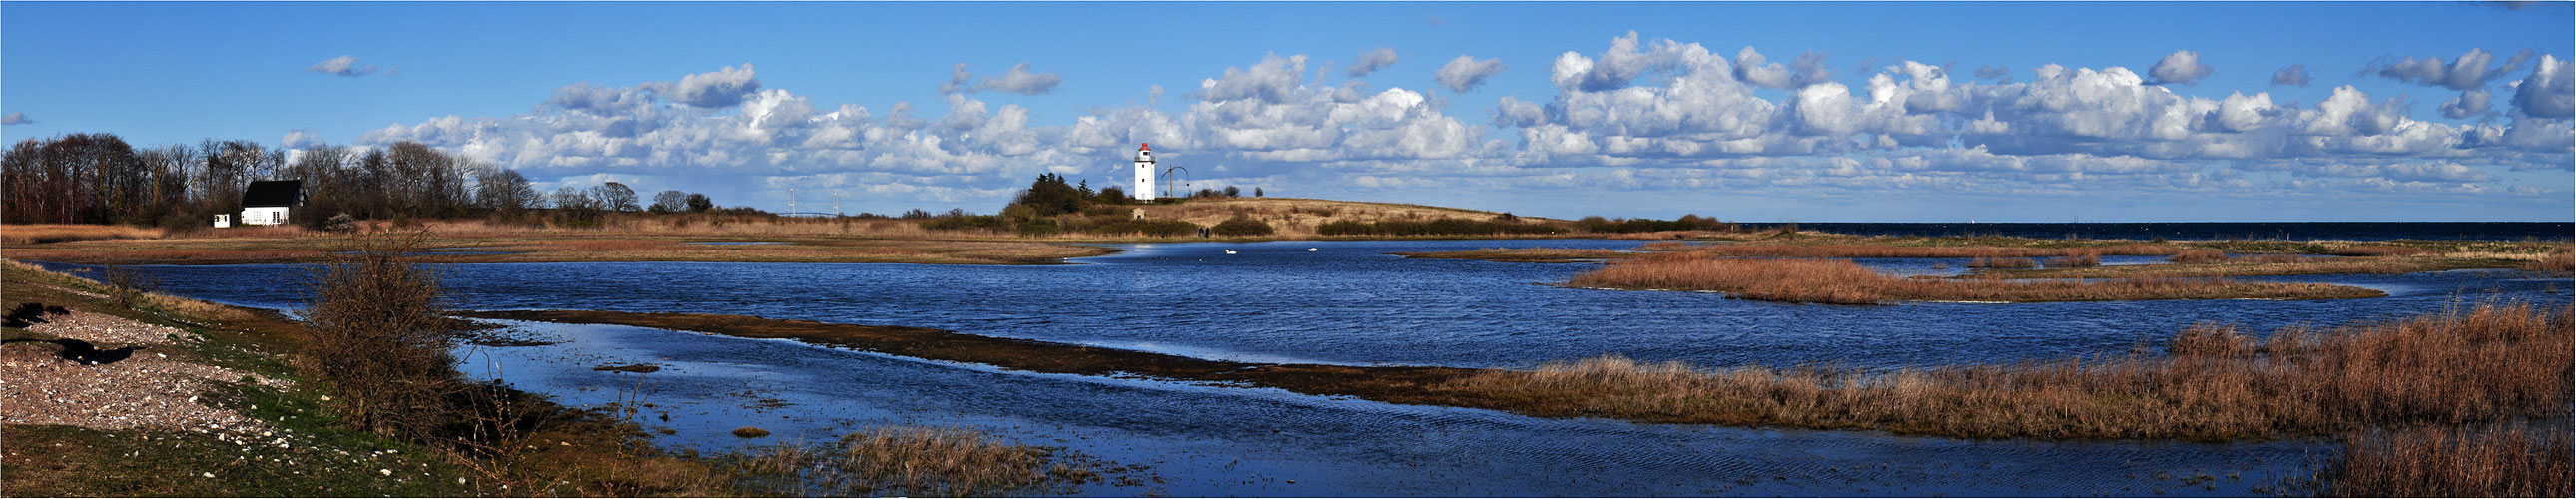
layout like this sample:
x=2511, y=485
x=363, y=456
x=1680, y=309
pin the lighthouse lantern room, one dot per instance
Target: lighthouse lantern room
x=1144, y=173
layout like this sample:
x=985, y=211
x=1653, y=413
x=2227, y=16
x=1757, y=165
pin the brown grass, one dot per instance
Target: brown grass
x=2075, y=261
x=906, y=461
x=1522, y=255
x=1844, y=282
x=2380, y=250
x=48, y=233
x=2438, y=462
x=2199, y=257
x=2559, y=261
x=2489, y=364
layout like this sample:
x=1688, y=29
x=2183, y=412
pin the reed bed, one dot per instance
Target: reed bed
x=2437, y=462
x=50, y=233
x=1887, y=250
x=2559, y=261
x=1844, y=282
x=905, y=461
x=2488, y=364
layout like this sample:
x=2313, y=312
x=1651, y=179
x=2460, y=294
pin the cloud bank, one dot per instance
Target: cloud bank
x=1637, y=114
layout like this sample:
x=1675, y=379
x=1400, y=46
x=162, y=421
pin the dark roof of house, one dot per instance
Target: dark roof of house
x=273, y=193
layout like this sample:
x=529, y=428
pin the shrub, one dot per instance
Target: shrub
x=1241, y=226
x=379, y=337
x=1444, y=226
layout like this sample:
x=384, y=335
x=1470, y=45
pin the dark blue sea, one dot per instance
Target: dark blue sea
x=2296, y=231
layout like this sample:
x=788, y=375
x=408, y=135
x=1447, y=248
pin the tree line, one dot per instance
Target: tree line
x=98, y=178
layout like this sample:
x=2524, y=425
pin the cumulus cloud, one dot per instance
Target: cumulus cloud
x=959, y=80
x=2182, y=66
x=2295, y=75
x=1809, y=68
x=1371, y=61
x=16, y=119
x=341, y=66
x=2469, y=71
x=2550, y=90
x=1638, y=114
x=715, y=89
x=1465, y=73
x=2470, y=103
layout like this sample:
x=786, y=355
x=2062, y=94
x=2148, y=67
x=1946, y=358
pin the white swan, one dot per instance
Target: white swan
x=1310, y=249
x=1229, y=252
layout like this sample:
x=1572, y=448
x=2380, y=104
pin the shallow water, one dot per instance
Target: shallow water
x=1349, y=302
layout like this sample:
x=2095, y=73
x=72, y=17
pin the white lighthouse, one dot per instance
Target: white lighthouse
x=1144, y=173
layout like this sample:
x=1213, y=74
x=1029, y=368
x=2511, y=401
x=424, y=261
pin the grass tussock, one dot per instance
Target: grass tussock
x=1844, y=282
x=2493, y=363
x=2438, y=462
x=49, y=233
x=905, y=461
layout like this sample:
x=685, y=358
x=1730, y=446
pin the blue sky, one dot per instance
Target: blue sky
x=1896, y=112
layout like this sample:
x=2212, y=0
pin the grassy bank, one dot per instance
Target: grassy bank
x=1844, y=282
x=300, y=442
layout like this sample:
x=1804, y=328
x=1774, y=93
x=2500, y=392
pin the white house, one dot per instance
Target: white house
x=1144, y=173
x=267, y=201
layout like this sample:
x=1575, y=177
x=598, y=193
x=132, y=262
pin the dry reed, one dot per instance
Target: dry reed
x=2438, y=462
x=1521, y=255
x=1843, y=282
x=2491, y=363
x=906, y=461
x=49, y=233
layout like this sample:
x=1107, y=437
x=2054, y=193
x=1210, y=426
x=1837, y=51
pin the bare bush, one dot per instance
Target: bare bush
x=379, y=337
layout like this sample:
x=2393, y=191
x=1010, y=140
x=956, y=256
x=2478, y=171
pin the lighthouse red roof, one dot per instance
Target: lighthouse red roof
x=1144, y=147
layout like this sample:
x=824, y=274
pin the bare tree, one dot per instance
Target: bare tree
x=615, y=196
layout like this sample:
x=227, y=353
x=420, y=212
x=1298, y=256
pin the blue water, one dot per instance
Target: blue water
x=2301, y=231
x=1349, y=302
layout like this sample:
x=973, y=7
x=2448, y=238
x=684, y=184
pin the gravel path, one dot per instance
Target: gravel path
x=152, y=389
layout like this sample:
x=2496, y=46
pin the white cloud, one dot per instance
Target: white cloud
x=1465, y=73
x=341, y=66
x=2472, y=102
x=1637, y=115
x=2182, y=66
x=1371, y=61
x=300, y=139
x=16, y=119
x=1809, y=68
x=2550, y=91
x=716, y=89
x=1997, y=73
